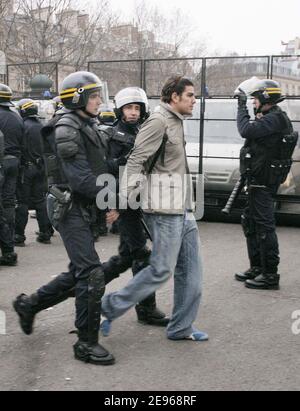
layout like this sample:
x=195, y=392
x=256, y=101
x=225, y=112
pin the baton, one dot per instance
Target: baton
x=144, y=224
x=234, y=195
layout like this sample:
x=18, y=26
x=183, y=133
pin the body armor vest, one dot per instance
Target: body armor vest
x=93, y=140
x=268, y=161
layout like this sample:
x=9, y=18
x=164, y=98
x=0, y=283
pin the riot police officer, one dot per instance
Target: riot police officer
x=263, y=139
x=6, y=242
x=81, y=154
x=12, y=127
x=132, y=109
x=32, y=187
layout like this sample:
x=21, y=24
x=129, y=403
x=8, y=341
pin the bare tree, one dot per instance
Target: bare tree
x=94, y=35
x=55, y=31
x=7, y=23
x=148, y=35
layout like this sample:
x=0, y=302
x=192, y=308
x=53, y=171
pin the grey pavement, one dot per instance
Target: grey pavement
x=251, y=347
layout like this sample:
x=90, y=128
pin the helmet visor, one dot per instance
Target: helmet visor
x=247, y=86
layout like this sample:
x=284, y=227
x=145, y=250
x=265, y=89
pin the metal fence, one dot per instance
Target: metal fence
x=214, y=120
x=214, y=77
x=212, y=136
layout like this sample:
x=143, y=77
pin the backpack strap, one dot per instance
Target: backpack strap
x=162, y=149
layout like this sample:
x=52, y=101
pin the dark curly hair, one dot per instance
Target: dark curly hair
x=175, y=84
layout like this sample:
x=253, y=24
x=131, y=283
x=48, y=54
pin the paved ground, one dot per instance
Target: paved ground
x=251, y=345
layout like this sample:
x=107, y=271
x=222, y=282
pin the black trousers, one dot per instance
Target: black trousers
x=10, y=172
x=259, y=225
x=31, y=195
x=132, y=236
x=78, y=240
x=6, y=240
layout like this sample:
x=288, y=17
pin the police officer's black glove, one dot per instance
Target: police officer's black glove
x=242, y=98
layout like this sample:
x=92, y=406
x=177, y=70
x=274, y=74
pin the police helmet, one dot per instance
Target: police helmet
x=267, y=91
x=27, y=107
x=107, y=115
x=77, y=87
x=5, y=96
x=132, y=95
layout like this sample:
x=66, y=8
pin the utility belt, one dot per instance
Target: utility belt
x=266, y=170
x=59, y=203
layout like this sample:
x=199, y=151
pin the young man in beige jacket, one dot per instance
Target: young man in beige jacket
x=159, y=153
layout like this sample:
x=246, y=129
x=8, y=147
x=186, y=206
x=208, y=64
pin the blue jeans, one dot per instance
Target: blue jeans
x=176, y=249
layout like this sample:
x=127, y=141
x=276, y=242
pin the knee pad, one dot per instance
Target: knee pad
x=97, y=283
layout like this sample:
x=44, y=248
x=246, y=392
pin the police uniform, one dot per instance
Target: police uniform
x=12, y=128
x=262, y=146
x=81, y=154
x=132, y=237
x=6, y=241
x=32, y=187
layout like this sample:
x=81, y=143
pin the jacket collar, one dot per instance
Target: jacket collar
x=169, y=109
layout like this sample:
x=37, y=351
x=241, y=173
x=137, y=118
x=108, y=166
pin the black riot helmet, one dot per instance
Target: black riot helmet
x=267, y=91
x=132, y=95
x=5, y=96
x=76, y=89
x=28, y=108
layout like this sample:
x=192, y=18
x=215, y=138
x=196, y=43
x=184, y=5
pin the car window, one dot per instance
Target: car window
x=215, y=132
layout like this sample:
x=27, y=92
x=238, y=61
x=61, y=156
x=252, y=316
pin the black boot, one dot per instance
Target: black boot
x=9, y=259
x=28, y=306
x=44, y=238
x=50, y=232
x=19, y=240
x=91, y=353
x=87, y=348
x=148, y=313
x=264, y=282
x=249, y=274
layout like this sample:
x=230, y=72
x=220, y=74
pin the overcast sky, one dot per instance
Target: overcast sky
x=253, y=27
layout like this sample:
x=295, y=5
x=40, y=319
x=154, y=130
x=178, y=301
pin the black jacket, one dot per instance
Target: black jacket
x=121, y=141
x=11, y=125
x=33, y=139
x=81, y=150
x=263, y=138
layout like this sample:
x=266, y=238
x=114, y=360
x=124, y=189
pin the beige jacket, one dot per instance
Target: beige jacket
x=167, y=189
